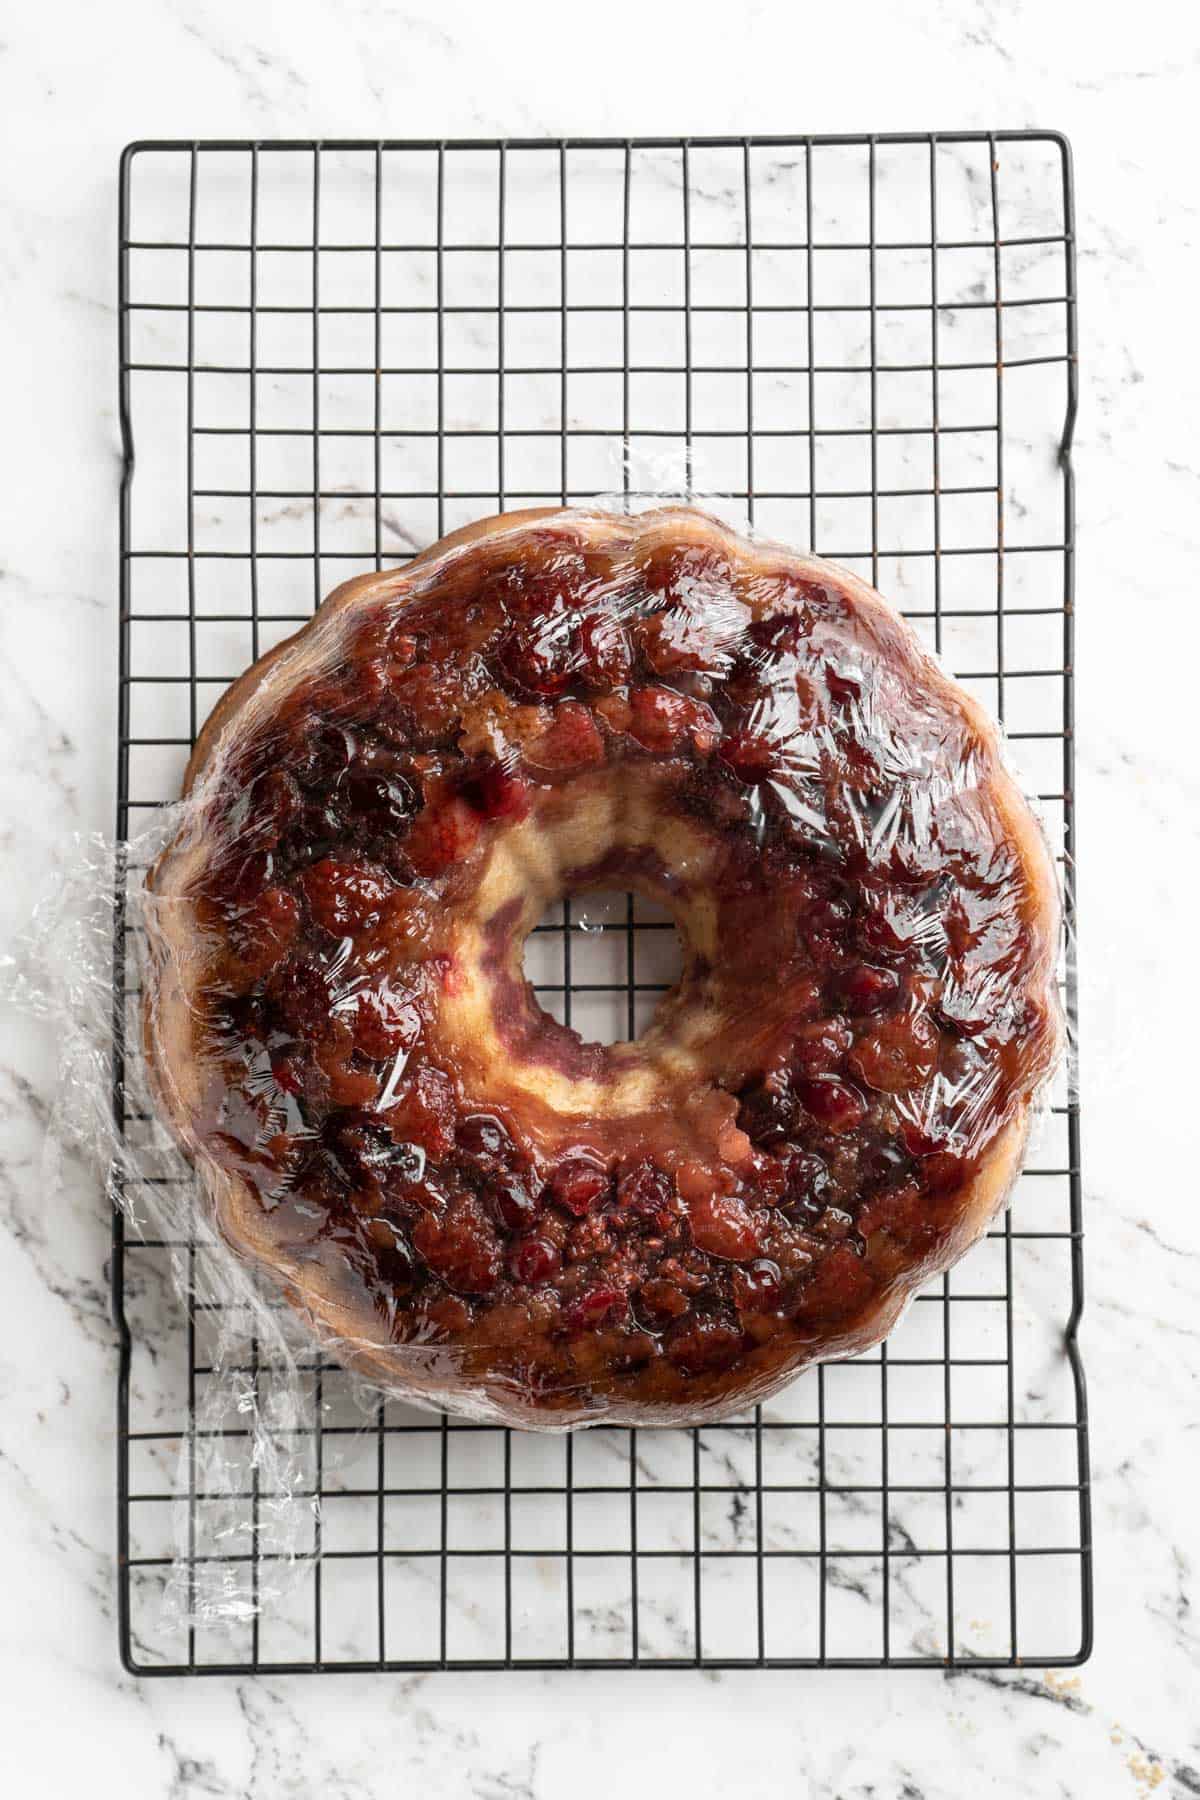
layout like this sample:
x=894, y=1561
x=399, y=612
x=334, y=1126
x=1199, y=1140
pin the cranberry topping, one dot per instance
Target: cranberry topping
x=702, y=1345
x=750, y=755
x=540, y=585
x=345, y=897
x=274, y=803
x=579, y=1184
x=833, y=1104
x=594, y=1305
x=723, y=1226
x=537, y=659
x=848, y=965
x=664, y=721
x=767, y=1112
x=779, y=634
x=423, y=1108
x=483, y=1138
x=647, y=1197
x=364, y=1149
x=532, y=1261
x=383, y=804
x=571, y=740
x=385, y=1020
x=806, y=1180
x=896, y=1055
x=497, y=793
x=865, y=989
x=241, y=878
x=444, y=834
x=662, y=1301
x=512, y=1202
x=326, y=750
x=823, y=929
x=820, y=1049
x=605, y=654
x=460, y=1246
x=758, y=1287
x=887, y=1165
x=263, y=931
x=301, y=1000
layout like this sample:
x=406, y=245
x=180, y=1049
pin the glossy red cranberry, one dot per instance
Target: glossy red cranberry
x=594, y=1305
x=767, y=1112
x=757, y=1287
x=443, y=835
x=533, y=1260
x=867, y=989
x=820, y=1049
x=896, y=1055
x=604, y=652
x=806, y=1181
x=664, y=721
x=379, y=803
x=832, y=1103
x=345, y=897
x=512, y=1203
x=751, y=756
x=722, y=1225
x=782, y=634
x=496, y=793
x=483, y=1138
x=887, y=1165
x=537, y=657
x=571, y=740
x=326, y=751
x=649, y=1192
x=384, y=1021
x=579, y=1185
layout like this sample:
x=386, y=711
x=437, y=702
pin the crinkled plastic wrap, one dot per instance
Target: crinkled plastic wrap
x=455, y=1195
x=82, y=970
x=473, y=1206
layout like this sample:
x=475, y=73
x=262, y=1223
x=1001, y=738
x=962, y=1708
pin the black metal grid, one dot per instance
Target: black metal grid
x=332, y=353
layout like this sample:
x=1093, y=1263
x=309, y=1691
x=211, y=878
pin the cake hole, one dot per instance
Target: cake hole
x=618, y=953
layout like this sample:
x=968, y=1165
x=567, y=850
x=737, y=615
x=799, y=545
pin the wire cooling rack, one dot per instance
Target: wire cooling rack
x=332, y=353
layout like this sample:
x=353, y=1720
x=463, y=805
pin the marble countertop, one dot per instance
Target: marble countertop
x=76, y=83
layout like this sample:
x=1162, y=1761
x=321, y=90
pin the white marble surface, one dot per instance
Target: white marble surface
x=76, y=82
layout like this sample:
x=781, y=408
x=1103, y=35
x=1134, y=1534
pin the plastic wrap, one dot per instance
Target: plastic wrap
x=81, y=969
x=453, y=1194
x=476, y=1207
